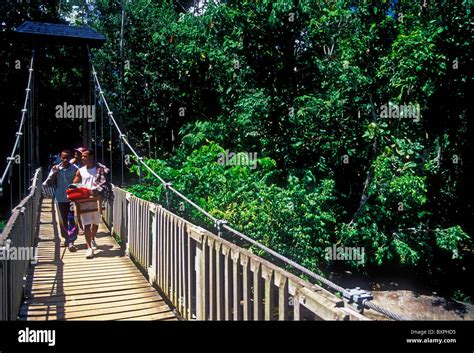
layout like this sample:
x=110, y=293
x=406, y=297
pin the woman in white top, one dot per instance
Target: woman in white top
x=87, y=176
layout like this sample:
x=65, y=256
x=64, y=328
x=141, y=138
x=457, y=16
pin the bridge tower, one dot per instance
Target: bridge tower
x=39, y=35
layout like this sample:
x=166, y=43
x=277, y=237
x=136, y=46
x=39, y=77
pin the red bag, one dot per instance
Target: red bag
x=78, y=193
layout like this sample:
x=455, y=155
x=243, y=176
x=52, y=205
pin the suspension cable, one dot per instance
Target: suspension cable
x=360, y=297
x=19, y=133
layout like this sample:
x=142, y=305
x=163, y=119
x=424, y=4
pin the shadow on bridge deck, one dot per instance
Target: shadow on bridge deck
x=67, y=286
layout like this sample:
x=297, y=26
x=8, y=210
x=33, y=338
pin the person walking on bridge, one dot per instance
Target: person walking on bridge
x=77, y=161
x=93, y=176
x=61, y=175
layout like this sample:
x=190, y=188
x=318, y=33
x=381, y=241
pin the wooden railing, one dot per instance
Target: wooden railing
x=19, y=233
x=208, y=278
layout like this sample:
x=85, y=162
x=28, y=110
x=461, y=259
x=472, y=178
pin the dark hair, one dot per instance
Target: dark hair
x=65, y=151
x=90, y=151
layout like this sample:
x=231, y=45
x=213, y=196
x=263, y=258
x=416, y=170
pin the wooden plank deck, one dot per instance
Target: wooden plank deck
x=67, y=286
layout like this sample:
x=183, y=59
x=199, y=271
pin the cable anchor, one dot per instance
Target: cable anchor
x=218, y=224
x=357, y=296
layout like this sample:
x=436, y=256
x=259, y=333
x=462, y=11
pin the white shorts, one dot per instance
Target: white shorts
x=90, y=218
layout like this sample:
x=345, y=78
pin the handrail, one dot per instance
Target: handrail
x=209, y=278
x=19, y=232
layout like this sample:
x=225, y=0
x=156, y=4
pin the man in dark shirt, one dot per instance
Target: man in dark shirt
x=62, y=175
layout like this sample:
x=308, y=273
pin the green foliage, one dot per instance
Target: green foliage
x=303, y=83
x=451, y=239
x=299, y=215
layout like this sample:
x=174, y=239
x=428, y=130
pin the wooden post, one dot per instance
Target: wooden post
x=199, y=268
x=211, y=292
x=179, y=290
x=160, y=248
x=282, y=283
x=174, y=260
x=244, y=261
x=257, y=290
x=128, y=198
x=154, y=240
x=219, y=282
x=227, y=285
x=166, y=248
x=297, y=306
x=237, y=285
x=190, y=275
x=268, y=276
x=185, y=246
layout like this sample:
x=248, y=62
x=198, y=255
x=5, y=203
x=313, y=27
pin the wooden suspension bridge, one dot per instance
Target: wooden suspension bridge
x=151, y=264
x=165, y=268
